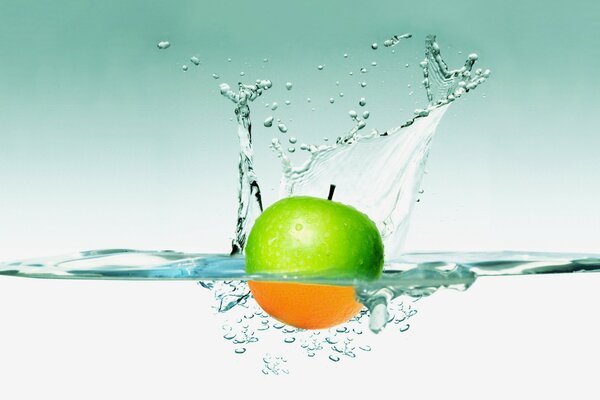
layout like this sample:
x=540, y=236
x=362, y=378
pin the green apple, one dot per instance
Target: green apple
x=309, y=236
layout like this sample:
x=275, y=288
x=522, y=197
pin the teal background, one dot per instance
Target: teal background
x=106, y=142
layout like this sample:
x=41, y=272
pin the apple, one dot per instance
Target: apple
x=312, y=237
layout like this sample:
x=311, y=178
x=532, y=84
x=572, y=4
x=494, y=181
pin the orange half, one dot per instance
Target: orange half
x=306, y=306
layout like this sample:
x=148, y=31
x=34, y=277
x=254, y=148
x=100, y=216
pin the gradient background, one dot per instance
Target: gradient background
x=106, y=142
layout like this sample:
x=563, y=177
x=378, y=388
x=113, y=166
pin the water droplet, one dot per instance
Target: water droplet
x=291, y=149
x=195, y=60
x=374, y=46
x=363, y=84
x=240, y=350
x=331, y=100
x=229, y=335
x=282, y=128
x=334, y=358
x=184, y=67
x=366, y=114
x=289, y=339
x=268, y=122
x=288, y=85
x=163, y=44
x=215, y=76
x=362, y=102
x=293, y=140
x=320, y=67
x=404, y=327
x=274, y=106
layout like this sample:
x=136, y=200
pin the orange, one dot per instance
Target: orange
x=306, y=306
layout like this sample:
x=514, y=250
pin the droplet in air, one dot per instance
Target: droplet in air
x=268, y=122
x=163, y=44
x=195, y=60
x=282, y=128
x=288, y=85
x=362, y=102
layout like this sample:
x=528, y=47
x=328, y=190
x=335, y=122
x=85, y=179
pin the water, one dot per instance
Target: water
x=379, y=172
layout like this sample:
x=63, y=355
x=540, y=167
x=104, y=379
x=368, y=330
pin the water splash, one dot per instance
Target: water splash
x=249, y=195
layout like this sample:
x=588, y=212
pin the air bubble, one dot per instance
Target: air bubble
x=363, y=84
x=240, y=350
x=320, y=67
x=184, y=67
x=334, y=358
x=282, y=128
x=291, y=150
x=274, y=106
x=331, y=100
x=242, y=73
x=362, y=102
x=195, y=60
x=215, y=76
x=288, y=85
x=352, y=114
x=366, y=114
x=374, y=46
x=363, y=70
x=287, y=102
x=293, y=140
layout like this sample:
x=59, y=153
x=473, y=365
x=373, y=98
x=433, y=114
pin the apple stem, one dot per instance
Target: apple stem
x=331, y=190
